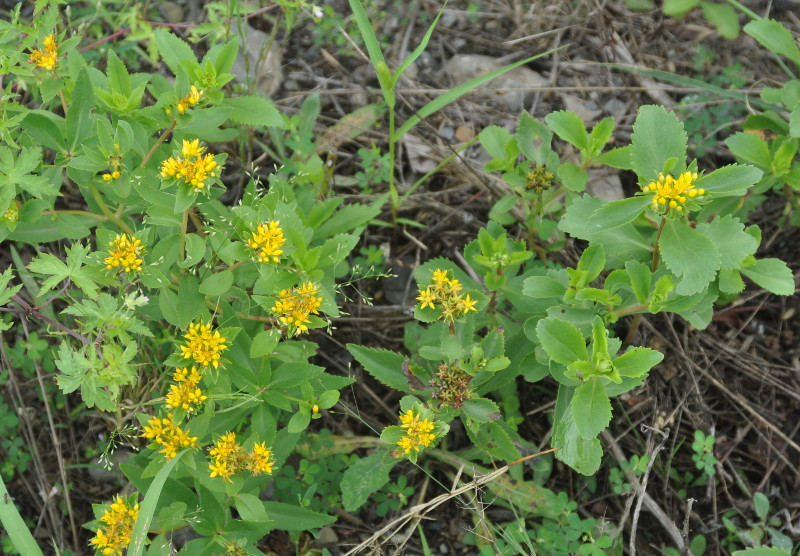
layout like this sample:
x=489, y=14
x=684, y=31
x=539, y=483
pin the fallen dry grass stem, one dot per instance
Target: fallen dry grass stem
x=416, y=513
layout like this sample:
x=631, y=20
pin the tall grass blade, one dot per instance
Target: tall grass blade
x=365, y=28
x=411, y=58
x=148, y=507
x=14, y=525
x=457, y=92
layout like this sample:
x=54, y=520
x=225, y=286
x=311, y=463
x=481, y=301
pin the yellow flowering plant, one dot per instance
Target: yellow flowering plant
x=417, y=431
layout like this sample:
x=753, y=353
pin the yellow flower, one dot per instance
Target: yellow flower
x=118, y=520
x=186, y=394
x=267, y=241
x=296, y=305
x=194, y=169
x=426, y=298
x=670, y=193
x=11, y=214
x=203, y=345
x=189, y=100
x=444, y=294
x=418, y=432
x=46, y=58
x=228, y=457
x=260, y=460
x=126, y=253
x=190, y=149
x=169, y=435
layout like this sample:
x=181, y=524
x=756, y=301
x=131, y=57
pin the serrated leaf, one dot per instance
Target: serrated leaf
x=637, y=361
x=494, y=139
x=772, y=275
x=689, y=255
x=730, y=181
x=750, y=148
x=384, y=365
x=730, y=280
x=562, y=341
x=365, y=477
x=583, y=455
x=732, y=242
x=775, y=37
x=287, y=517
x=572, y=176
x=617, y=213
x=658, y=135
x=79, y=120
x=542, y=287
x=481, y=410
x=173, y=50
x=591, y=408
x=253, y=110
x=569, y=127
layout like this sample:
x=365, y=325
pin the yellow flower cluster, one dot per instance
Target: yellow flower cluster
x=169, y=435
x=294, y=306
x=204, y=345
x=445, y=292
x=186, y=394
x=670, y=193
x=267, y=241
x=189, y=100
x=126, y=253
x=229, y=458
x=48, y=56
x=108, y=176
x=192, y=166
x=418, y=433
x=11, y=214
x=115, y=534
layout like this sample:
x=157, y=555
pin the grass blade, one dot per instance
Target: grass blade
x=365, y=28
x=14, y=525
x=457, y=92
x=148, y=507
x=411, y=58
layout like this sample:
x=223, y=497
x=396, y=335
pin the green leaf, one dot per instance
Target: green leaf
x=679, y=8
x=250, y=507
x=569, y=126
x=79, y=120
x=724, y=18
x=733, y=243
x=293, y=374
x=264, y=343
x=690, y=255
x=772, y=275
x=217, y=284
x=730, y=181
x=541, y=287
x=411, y=58
x=73, y=269
x=254, y=111
x=592, y=261
x=572, y=176
x=481, y=410
x=619, y=158
x=148, y=507
x=298, y=422
x=637, y=361
x=591, y=408
x=658, y=135
x=600, y=135
x=583, y=455
x=761, y=551
x=562, y=341
x=641, y=278
x=191, y=302
x=368, y=34
x=287, y=517
x=364, y=477
x=775, y=37
x=384, y=365
x=494, y=139
x=118, y=78
x=173, y=50
x=750, y=148
x=617, y=213
x=730, y=280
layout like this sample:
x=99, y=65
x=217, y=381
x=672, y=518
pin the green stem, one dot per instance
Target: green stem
x=630, y=310
x=392, y=186
x=75, y=212
x=656, y=251
x=637, y=319
x=107, y=211
x=160, y=140
x=182, y=243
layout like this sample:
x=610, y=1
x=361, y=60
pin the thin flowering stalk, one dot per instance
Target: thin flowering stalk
x=158, y=142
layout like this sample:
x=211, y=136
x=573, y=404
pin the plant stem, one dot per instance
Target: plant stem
x=160, y=140
x=107, y=211
x=392, y=186
x=637, y=319
x=182, y=243
x=34, y=312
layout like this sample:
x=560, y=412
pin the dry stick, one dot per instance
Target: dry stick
x=638, y=509
x=661, y=516
x=418, y=510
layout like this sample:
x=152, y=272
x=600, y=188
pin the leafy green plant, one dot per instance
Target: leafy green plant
x=762, y=532
x=703, y=456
